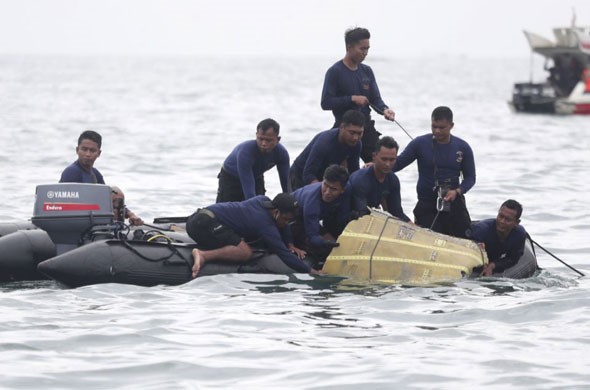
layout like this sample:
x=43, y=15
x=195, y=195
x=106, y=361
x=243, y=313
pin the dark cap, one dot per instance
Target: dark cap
x=285, y=203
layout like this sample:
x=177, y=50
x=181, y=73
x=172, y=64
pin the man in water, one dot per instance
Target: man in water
x=340, y=145
x=350, y=84
x=325, y=210
x=377, y=185
x=82, y=170
x=222, y=231
x=503, y=237
x=442, y=160
x=242, y=174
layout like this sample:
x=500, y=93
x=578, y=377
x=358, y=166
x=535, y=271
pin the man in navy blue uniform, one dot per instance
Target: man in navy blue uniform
x=503, y=237
x=350, y=84
x=442, y=160
x=222, y=231
x=377, y=185
x=325, y=210
x=340, y=145
x=82, y=171
x=242, y=173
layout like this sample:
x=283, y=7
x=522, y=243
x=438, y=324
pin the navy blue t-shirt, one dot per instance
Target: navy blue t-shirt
x=341, y=83
x=450, y=161
x=75, y=173
x=252, y=221
x=505, y=254
x=246, y=162
x=323, y=151
x=313, y=210
x=368, y=191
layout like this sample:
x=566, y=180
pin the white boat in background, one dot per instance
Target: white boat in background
x=566, y=90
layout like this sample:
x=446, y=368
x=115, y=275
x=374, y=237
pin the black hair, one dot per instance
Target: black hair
x=442, y=112
x=336, y=173
x=386, y=142
x=356, y=34
x=92, y=136
x=268, y=123
x=353, y=117
x=513, y=205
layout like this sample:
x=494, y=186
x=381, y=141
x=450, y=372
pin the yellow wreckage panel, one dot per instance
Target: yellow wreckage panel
x=381, y=248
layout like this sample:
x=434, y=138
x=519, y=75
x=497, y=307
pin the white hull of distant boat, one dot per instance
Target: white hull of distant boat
x=566, y=89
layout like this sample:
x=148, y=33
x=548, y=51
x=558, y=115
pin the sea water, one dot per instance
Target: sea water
x=168, y=123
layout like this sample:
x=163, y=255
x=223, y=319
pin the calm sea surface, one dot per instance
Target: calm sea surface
x=167, y=125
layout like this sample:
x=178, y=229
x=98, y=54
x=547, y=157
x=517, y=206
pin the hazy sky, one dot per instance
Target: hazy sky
x=281, y=27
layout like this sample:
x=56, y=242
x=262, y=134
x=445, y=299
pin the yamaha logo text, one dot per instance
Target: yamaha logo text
x=63, y=194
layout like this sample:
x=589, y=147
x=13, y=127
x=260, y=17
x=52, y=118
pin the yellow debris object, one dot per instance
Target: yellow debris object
x=384, y=249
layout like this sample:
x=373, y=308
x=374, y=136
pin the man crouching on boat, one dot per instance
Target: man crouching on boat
x=222, y=231
x=503, y=238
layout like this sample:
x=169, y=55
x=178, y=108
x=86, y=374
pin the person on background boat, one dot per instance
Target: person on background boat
x=340, y=145
x=377, y=185
x=325, y=211
x=82, y=170
x=242, y=174
x=442, y=160
x=223, y=231
x=503, y=238
x=350, y=84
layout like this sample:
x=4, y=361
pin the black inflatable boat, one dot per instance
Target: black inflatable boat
x=73, y=238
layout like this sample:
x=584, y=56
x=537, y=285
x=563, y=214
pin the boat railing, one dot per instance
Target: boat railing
x=570, y=36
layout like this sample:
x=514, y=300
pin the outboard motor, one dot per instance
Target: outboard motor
x=69, y=211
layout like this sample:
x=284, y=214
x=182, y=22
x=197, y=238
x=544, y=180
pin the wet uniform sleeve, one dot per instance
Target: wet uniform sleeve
x=353, y=160
x=330, y=98
x=245, y=163
x=394, y=200
x=514, y=249
x=375, y=97
x=406, y=157
x=283, y=169
x=313, y=166
x=359, y=188
x=273, y=240
x=468, y=170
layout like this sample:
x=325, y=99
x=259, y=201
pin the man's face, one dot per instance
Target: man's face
x=441, y=130
x=384, y=160
x=331, y=190
x=283, y=219
x=88, y=151
x=350, y=134
x=359, y=50
x=267, y=140
x=506, y=221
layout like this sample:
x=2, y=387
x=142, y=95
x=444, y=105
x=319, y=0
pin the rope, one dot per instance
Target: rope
x=375, y=247
x=555, y=257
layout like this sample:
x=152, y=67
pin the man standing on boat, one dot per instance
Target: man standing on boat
x=442, y=160
x=350, y=84
x=242, y=174
x=223, y=231
x=503, y=238
x=340, y=145
x=377, y=185
x=325, y=210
